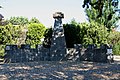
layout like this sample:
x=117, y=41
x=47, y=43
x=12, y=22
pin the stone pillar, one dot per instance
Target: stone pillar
x=58, y=44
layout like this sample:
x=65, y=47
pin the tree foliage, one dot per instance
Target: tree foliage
x=116, y=48
x=102, y=11
x=114, y=38
x=35, y=33
x=9, y=34
x=3, y=35
x=15, y=32
x=85, y=33
x=34, y=20
x=47, y=38
x=96, y=4
x=18, y=20
x=71, y=34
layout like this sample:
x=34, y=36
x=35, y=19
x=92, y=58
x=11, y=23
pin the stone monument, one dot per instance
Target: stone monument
x=58, y=50
x=58, y=44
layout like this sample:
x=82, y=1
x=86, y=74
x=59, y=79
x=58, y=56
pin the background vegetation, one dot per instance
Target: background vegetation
x=104, y=13
x=20, y=30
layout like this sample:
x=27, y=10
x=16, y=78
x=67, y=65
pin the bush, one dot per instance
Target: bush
x=116, y=49
x=35, y=33
x=85, y=33
x=114, y=38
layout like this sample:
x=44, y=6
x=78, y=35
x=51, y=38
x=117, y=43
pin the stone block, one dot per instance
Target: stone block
x=11, y=47
x=92, y=46
x=8, y=47
x=58, y=15
x=78, y=46
x=103, y=46
x=100, y=56
x=25, y=46
x=14, y=47
x=39, y=46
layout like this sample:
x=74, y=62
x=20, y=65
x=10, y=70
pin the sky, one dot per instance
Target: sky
x=44, y=10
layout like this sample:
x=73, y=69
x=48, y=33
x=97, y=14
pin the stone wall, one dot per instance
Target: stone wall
x=78, y=53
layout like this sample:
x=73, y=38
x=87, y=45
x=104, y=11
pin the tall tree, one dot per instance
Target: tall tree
x=101, y=11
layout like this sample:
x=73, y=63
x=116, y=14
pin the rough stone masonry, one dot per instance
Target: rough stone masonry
x=58, y=44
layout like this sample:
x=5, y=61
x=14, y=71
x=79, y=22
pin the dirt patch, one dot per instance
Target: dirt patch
x=60, y=71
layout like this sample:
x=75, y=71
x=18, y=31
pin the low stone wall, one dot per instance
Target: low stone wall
x=91, y=53
x=25, y=53
x=14, y=54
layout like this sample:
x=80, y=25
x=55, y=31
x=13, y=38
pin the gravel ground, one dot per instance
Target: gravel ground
x=60, y=71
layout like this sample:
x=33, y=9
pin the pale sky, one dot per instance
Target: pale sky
x=44, y=9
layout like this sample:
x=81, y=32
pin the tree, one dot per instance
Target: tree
x=97, y=4
x=92, y=33
x=18, y=20
x=47, y=38
x=71, y=32
x=9, y=34
x=114, y=39
x=85, y=33
x=34, y=20
x=105, y=16
x=5, y=34
x=35, y=33
x=16, y=34
x=102, y=12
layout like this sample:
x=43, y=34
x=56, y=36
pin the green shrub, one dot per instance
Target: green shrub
x=114, y=39
x=116, y=49
x=35, y=33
